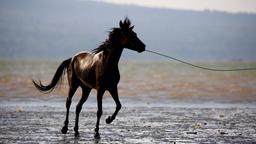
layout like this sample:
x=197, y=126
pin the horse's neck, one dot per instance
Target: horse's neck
x=113, y=55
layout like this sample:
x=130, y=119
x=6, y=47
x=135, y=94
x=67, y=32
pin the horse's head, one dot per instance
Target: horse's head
x=129, y=38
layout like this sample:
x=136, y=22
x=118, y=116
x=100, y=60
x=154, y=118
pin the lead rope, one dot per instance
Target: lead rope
x=200, y=67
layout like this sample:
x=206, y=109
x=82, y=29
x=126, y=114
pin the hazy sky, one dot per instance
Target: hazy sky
x=221, y=5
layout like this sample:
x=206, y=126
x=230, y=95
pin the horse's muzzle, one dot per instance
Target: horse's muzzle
x=142, y=48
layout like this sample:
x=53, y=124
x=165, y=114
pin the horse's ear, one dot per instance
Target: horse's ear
x=121, y=24
x=131, y=27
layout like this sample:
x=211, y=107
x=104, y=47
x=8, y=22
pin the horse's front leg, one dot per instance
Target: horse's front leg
x=100, y=93
x=114, y=93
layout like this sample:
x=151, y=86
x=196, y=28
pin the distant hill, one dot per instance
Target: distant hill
x=53, y=29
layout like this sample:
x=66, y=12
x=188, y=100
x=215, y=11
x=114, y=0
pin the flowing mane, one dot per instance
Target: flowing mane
x=112, y=40
x=113, y=37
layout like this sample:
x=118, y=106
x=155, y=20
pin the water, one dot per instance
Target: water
x=156, y=81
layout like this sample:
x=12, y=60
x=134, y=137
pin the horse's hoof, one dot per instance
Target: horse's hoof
x=109, y=120
x=97, y=135
x=64, y=130
x=76, y=134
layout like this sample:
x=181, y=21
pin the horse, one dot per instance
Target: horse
x=98, y=70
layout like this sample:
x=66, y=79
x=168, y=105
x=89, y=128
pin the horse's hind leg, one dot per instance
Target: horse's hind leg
x=114, y=93
x=85, y=93
x=71, y=92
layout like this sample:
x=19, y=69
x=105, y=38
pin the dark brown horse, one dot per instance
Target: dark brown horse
x=97, y=70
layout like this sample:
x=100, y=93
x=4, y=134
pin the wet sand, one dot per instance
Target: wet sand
x=29, y=120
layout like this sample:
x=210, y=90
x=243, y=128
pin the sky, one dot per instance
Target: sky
x=233, y=6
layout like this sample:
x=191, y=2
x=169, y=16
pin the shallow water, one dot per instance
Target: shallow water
x=152, y=79
x=42, y=124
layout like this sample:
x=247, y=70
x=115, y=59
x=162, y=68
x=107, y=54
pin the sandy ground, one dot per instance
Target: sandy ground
x=29, y=120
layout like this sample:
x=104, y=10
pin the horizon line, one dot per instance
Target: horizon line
x=172, y=8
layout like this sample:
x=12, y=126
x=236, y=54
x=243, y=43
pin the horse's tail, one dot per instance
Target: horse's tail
x=56, y=80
